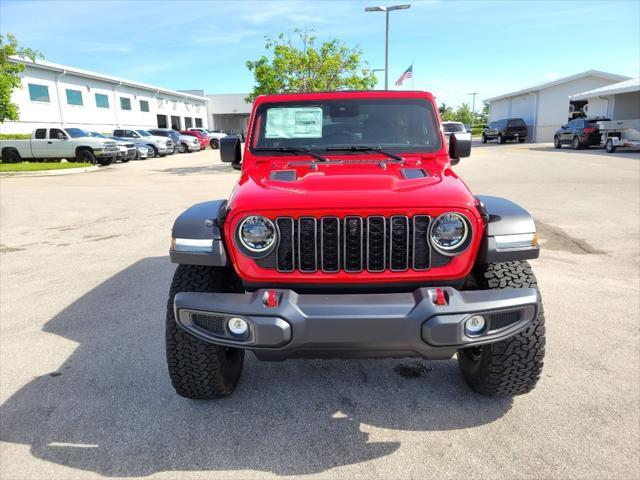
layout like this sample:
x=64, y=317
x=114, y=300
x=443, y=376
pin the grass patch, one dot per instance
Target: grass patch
x=15, y=136
x=34, y=167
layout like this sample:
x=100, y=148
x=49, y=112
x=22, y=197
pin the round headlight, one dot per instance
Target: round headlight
x=449, y=232
x=257, y=233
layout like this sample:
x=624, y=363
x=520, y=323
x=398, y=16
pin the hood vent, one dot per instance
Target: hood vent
x=414, y=173
x=283, y=176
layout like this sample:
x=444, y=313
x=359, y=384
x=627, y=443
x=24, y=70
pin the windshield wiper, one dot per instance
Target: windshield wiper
x=365, y=148
x=292, y=150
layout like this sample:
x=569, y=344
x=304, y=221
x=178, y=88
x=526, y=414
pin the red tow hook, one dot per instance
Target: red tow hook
x=270, y=299
x=440, y=298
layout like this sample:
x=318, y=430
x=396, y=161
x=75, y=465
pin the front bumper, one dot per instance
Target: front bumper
x=194, y=147
x=105, y=153
x=357, y=325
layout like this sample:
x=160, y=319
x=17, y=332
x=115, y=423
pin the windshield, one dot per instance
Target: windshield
x=144, y=133
x=397, y=125
x=95, y=134
x=453, y=127
x=76, y=132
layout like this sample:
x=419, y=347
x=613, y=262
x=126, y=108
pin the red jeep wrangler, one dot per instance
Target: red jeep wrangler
x=349, y=235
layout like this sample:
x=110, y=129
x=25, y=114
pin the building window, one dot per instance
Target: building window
x=162, y=121
x=38, y=93
x=74, y=97
x=125, y=103
x=188, y=122
x=198, y=122
x=175, y=123
x=102, y=101
x=144, y=106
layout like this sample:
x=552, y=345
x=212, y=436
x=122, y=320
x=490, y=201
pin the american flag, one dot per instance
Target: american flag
x=408, y=73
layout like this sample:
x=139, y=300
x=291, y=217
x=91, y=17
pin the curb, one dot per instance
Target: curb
x=47, y=173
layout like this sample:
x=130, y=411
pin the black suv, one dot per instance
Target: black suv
x=505, y=129
x=579, y=133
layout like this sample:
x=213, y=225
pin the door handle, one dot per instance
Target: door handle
x=49, y=143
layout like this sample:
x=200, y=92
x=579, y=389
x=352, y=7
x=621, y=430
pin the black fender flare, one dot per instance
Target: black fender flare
x=202, y=221
x=504, y=218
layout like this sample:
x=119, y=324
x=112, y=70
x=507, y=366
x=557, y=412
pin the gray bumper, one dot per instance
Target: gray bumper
x=357, y=326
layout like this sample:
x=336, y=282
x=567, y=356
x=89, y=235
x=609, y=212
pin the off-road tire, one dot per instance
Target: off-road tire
x=556, y=142
x=199, y=370
x=513, y=366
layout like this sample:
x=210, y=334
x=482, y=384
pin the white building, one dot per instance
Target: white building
x=58, y=95
x=619, y=101
x=228, y=111
x=546, y=107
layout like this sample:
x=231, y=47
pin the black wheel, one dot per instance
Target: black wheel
x=155, y=150
x=197, y=369
x=500, y=140
x=105, y=161
x=125, y=159
x=576, y=143
x=214, y=143
x=556, y=142
x=521, y=140
x=513, y=366
x=182, y=148
x=11, y=156
x=484, y=139
x=85, y=156
x=611, y=148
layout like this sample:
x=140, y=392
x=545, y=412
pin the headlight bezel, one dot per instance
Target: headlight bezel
x=249, y=250
x=458, y=248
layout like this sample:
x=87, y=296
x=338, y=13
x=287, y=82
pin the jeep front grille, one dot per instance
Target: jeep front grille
x=353, y=244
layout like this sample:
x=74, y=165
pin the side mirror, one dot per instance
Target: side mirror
x=230, y=151
x=61, y=136
x=459, y=146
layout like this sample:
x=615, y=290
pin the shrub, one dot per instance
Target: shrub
x=15, y=136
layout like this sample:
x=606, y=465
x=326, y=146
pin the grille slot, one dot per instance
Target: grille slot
x=307, y=244
x=211, y=323
x=353, y=244
x=500, y=320
x=285, y=260
x=330, y=244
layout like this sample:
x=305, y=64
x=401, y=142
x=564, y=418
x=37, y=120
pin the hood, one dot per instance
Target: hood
x=356, y=183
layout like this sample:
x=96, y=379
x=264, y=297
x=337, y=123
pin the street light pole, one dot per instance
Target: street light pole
x=473, y=108
x=386, y=10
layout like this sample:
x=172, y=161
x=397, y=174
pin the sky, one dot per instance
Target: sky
x=456, y=47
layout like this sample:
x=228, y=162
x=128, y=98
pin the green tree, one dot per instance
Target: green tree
x=10, y=74
x=464, y=114
x=446, y=112
x=307, y=68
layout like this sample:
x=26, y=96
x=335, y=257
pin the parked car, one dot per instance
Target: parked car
x=127, y=149
x=160, y=146
x=202, y=139
x=506, y=129
x=182, y=143
x=73, y=144
x=579, y=133
x=143, y=151
x=365, y=249
x=213, y=136
x=452, y=127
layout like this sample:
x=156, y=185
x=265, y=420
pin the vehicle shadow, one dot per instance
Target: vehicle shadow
x=205, y=169
x=600, y=151
x=110, y=408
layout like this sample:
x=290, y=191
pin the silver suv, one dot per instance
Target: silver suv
x=161, y=146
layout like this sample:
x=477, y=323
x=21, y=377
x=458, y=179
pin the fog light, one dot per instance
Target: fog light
x=475, y=324
x=238, y=326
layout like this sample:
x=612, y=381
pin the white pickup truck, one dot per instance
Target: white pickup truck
x=73, y=144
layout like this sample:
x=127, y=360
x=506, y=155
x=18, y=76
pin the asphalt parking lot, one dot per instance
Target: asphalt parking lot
x=83, y=385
